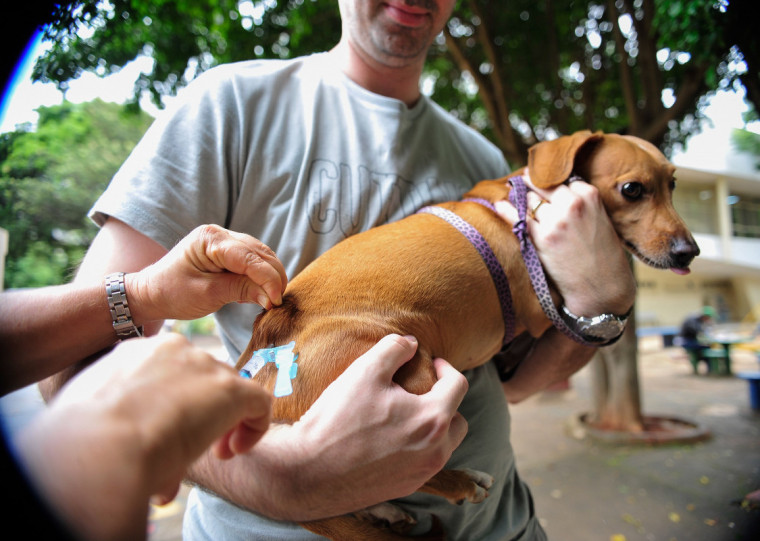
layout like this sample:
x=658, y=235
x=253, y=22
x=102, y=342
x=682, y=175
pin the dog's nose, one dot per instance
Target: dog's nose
x=683, y=251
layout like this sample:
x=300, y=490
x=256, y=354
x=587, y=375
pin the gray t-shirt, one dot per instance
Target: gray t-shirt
x=297, y=155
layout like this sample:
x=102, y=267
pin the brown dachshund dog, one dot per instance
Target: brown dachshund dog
x=407, y=277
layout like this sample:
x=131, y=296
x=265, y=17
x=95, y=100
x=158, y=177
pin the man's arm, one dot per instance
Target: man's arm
x=130, y=425
x=582, y=253
x=46, y=330
x=554, y=358
x=214, y=267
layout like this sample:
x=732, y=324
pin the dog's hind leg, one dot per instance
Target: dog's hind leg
x=418, y=376
x=459, y=486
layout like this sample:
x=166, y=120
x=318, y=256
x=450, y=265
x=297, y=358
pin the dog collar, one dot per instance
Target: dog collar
x=489, y=258
x=518, y=196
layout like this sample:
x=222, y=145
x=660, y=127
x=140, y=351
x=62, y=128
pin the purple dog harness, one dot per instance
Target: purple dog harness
x=489, y=258
x=518, y=196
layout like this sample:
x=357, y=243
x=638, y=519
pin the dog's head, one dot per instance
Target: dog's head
x=636, y=184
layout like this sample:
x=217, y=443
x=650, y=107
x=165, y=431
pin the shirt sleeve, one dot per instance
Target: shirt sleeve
x=181, y=174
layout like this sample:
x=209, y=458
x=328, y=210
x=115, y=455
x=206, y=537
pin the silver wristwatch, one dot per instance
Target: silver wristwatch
x=603, y=329
x=117, y=303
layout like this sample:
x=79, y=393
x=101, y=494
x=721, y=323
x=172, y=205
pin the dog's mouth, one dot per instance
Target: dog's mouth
x=662, y=264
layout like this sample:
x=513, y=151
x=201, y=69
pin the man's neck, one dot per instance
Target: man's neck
x=401, y=82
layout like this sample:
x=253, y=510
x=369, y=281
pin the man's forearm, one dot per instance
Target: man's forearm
x=49, y=329
x=554, y=358
x=268, y=480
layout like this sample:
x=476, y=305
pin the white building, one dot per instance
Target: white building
x=718, y=195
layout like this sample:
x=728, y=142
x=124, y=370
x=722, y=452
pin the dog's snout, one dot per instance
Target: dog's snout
x=683, y=251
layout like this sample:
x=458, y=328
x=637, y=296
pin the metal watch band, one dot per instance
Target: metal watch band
x=117, y=303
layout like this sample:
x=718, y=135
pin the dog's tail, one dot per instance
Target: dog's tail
x=271, y=328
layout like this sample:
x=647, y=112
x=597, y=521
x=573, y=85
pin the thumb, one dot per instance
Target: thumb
x=387, y=356
x=167, y=494
x=241, y=289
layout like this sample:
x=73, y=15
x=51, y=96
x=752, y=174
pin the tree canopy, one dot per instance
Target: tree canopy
x=49, y=179
x=519, y=71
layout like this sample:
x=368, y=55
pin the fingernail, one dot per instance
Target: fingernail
x=263, y=300
x=411, y=338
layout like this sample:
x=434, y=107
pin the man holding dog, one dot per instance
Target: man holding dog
x=300, y=154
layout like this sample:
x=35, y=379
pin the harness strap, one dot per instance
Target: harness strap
x=489, y=258
x=518, y=196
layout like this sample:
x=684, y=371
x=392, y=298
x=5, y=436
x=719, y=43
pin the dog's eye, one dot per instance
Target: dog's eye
x=632, y=190
x=672, y=185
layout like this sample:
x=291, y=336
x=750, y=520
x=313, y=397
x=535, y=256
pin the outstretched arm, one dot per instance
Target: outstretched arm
x=56, y=328
x=128, y=427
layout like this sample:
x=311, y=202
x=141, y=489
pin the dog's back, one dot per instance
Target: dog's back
x=417, y=276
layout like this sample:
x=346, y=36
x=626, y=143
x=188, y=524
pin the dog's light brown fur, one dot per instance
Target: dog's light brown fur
x=419, y=276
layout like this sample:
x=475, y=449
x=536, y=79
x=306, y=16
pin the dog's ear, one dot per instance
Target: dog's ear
x=550, y=163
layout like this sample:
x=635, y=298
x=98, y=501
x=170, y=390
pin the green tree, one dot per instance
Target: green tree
x=49, y=179
x=749, y=142
x=184, y=38
x=520, y=71
x=543, y=68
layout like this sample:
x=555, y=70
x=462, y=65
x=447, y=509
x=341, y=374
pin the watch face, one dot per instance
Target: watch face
x=602, y=328
x=606, y=327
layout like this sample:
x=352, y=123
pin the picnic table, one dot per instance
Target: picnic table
x=725, y=339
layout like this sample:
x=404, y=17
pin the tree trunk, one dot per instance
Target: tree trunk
x=615, y=385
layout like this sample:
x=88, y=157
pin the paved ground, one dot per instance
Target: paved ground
x=585, y=490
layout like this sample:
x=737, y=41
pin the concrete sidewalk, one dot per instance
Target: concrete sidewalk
x=590, y=491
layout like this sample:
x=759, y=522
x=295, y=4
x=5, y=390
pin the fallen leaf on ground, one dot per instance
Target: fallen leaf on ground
x=633, y=521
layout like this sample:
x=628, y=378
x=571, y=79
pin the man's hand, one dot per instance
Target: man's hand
x=365, y=440
x=385, y=430
x=213, y=266
x=579, y=248
x=131, y=424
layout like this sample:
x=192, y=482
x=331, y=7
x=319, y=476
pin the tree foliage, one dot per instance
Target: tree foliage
x=556, y=67
x=183, y=37
x=519, y=71
x=749, y=142
x=49, y=179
